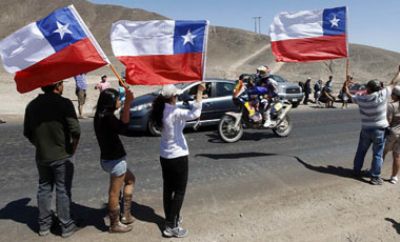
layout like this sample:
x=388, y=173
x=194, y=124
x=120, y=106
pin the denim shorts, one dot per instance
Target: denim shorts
x=114, y=167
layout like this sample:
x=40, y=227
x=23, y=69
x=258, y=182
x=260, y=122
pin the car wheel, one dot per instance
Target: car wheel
x=295, y=104
x=153, y=129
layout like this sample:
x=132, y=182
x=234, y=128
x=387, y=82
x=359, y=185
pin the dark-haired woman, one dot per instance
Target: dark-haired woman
x=113, y=156
x=174, y=153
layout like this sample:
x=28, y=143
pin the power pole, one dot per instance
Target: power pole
x=255, y=24
x=259, y=24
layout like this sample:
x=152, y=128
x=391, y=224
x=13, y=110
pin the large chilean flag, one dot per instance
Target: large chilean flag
x=309, y=35
x=161, y=51
x=54, y=48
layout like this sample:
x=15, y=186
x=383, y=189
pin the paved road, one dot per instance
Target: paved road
x=321, y=143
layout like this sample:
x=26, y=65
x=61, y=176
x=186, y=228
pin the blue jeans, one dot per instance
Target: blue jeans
x=56, y=174
x=376, y=137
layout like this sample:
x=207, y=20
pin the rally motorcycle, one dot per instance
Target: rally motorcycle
x=232, y=124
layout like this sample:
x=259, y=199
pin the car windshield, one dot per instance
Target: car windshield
x=278, y=78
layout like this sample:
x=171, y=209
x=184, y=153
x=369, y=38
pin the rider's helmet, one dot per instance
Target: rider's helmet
x=263, y=71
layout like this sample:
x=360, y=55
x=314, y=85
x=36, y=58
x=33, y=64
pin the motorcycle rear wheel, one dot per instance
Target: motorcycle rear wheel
x=227, y=130
x=283, y=128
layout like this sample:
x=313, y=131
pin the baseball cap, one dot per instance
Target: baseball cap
x=170, y=90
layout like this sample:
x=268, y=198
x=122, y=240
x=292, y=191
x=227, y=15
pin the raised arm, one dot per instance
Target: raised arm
x=395, y=78
x=195, y=112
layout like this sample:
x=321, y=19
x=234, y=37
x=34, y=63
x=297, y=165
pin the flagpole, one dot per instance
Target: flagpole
x=118, y=76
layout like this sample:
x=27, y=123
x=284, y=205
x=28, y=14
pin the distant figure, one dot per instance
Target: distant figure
x=373, y=112
x=80, y=91
x=317, y=91
x=52, y=127
x=327, y=93
x=393, y=137
x=307, y=90
x=343, y=96
x=103, y=84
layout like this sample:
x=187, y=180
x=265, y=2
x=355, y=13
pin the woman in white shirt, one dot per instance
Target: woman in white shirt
x=174, y=152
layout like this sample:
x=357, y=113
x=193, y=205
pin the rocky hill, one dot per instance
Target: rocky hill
x=230, y=51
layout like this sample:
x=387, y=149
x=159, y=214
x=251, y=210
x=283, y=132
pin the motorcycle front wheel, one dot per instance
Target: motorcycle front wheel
x=227, y=130
x=283, y=128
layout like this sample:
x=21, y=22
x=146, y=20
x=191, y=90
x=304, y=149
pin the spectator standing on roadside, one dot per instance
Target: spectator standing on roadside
x=317, y=91
x=345, y=98
x=373, y=111
x=80, y=91
x=113, y=156
x=307, y=90
x=52, y=127
x=174, y=153
x=103, y=84
x=393, y=137
x=327, y=92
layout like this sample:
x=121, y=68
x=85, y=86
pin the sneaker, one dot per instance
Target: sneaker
x=70, y=230
x=44, y=232
x=177, y=232
x=393, y=179
x=376, y=181
x=361, y=174
x=267, y=123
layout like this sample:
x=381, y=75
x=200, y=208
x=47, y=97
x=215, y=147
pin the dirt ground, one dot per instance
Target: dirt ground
x=328, y=210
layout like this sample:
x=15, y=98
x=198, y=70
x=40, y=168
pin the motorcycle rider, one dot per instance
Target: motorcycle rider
x=265, y=80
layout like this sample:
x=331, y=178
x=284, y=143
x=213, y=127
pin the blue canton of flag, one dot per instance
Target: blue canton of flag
x=61, y=28
x=189, y=36
x=334, y=21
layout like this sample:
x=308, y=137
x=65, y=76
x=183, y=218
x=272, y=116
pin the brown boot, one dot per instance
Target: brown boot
x=115, y=225
x=127, y=217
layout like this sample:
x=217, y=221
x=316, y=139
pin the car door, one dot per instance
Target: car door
x=222, y=99
x=207, y=107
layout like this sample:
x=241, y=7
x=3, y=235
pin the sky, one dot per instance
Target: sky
x=370, y=22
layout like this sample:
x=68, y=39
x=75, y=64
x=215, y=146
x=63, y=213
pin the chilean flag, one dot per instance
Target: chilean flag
x=54, y=48
x=162, y=51
x=309, y=35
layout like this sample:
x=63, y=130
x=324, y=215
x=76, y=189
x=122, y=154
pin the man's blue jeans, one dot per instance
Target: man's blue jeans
x=56, y=174
x=376, y=137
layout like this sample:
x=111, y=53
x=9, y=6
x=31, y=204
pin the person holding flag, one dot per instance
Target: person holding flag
x=165, y=52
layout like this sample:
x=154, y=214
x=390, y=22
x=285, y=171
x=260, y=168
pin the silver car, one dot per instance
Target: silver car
x=288, y=90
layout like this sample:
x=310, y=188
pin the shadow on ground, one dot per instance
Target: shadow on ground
x=331, y=170
x=235, y=155
x=147, y=214
x=21, y=212
x=395, y=224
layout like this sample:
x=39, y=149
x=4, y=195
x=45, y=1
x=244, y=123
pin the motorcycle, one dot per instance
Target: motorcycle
x=232, y=124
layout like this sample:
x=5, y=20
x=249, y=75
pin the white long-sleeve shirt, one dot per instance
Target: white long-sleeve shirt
x=173, y=143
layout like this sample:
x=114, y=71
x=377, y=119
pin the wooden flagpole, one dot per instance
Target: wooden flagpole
x=124, y=84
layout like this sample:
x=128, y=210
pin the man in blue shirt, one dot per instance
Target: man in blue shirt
x=81, y=86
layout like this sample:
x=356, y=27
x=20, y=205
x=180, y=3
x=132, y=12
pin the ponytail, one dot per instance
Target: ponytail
x=157, y=112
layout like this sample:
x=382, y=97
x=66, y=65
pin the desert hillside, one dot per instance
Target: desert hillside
x=230, y=51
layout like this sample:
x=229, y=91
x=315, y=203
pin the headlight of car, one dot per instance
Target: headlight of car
x=140, y=107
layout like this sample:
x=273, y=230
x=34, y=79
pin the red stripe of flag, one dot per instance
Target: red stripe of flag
x=310, y=49
x=80, y=57
x=163, y=69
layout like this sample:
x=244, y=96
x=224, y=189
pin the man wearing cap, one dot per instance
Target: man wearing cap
x=373, y=110
x=103, y=84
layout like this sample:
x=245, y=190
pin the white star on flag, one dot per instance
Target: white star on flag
x=62, y=29
x=188, y=38
x=334, y=22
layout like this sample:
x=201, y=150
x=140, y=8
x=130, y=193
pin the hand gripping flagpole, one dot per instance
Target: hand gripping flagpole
x=123, y=83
